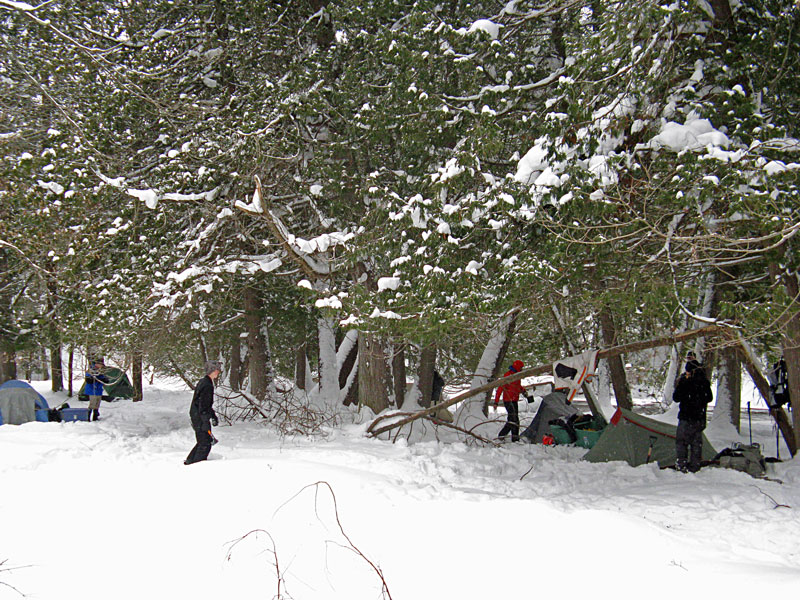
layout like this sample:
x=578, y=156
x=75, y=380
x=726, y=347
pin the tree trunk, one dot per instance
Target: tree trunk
x=8, y=360
x=473, y=414
x=372, y=373
x=328, y=364
x=427, y=363
x=257, y=349
x=348, y=363
x=45, y=366
x=300, y=366
x=708, y=356
x=791, y=350
x=499, y=364
x=235, y=377
x=56, y=368
x=616, y=366
x=8, y=356
x=201, y=343
x=777, y=412
x=722, y=12
x=136, y=373
x=727, y=407
x=399, y=373
x=70, y=374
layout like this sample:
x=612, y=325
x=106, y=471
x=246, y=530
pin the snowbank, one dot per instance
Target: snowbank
x=107, y=509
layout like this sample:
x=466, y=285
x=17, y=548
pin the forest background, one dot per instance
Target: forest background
x=343, y=195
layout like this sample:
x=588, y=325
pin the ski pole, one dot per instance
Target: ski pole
x=749, y=423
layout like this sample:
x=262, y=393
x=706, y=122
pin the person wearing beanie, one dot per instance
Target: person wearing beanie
x=94, y=387
x=202, y=413
x=510, y=393
x=693, y=393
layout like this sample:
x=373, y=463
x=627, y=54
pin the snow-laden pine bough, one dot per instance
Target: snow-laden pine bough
x=729, y=336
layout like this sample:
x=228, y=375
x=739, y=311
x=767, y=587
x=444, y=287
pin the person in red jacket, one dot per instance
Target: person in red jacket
x=510, y=393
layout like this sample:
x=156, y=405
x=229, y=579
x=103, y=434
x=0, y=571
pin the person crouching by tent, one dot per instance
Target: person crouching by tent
x=510, y=393
x=693, y=393
x=94, y=387
x=202, y=413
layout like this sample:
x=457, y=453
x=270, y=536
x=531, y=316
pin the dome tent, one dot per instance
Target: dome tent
x=638, y=440
x=20, y=403
x=118, y=386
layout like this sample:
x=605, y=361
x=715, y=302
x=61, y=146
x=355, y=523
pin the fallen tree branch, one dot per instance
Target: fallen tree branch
x=279, y=575
x=436, y=421
x=350, y=545
x=666, y=340
x=777, y=505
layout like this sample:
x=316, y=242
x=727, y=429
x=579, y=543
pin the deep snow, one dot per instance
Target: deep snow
x=107, y=510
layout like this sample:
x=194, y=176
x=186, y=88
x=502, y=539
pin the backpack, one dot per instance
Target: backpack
x=743, y=457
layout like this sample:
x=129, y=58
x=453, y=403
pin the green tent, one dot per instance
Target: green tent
x=119, y=385
x=632, y=438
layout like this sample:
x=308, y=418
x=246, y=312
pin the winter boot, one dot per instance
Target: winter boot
x=95, y=415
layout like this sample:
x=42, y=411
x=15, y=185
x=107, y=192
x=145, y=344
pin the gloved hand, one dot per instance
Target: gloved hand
x=214, y=420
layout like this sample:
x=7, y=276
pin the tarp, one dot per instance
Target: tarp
x=119, y=386
x=18, y=402
x=554, y=406
x=572, y=372
x=631, y=438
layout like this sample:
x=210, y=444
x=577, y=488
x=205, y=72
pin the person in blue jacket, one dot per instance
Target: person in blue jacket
x=202, y=414
x=94, y=387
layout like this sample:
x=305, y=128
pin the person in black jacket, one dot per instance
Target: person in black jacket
x=693, y=392
x=202, y=413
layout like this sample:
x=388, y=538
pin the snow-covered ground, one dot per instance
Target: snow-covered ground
x=108, y=510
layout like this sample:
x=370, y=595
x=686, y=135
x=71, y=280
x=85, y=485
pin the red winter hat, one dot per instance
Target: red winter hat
x=518, y=365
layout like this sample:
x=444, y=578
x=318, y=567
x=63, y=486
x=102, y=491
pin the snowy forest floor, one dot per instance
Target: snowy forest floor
x=107, y=510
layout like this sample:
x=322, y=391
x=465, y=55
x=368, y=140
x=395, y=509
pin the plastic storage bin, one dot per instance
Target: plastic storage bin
x=74, y=414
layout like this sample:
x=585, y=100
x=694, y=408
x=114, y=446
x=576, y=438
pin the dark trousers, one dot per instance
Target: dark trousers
x=512, y=421
x=689, y=444
x=202, y=448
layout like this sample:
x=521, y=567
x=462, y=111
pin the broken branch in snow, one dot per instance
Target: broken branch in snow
x=9, y=569
x=350, y=545
x=280, y=580
x=436, y=421
x=777, y=505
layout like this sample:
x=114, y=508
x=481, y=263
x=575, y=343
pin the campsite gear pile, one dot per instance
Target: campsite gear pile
x=779, y=382
x=581, y=430
x=557, y=421
x=553, y=407
x=20, y=403
x=743, y=457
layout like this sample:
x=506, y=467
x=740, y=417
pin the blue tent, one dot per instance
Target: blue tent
x=20, y=403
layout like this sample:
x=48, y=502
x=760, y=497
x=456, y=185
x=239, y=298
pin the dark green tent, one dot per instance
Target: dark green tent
x=633, y=438
x=119, y=385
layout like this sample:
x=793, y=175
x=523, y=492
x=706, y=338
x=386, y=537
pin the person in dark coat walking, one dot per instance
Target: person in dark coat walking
x=202, y=413
x=693, y=393
x=510, y=393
